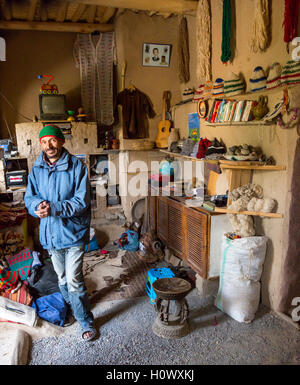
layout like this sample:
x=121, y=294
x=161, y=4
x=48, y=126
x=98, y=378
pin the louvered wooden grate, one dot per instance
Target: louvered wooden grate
x=175, y=239
x=185, y=232
x=162, y=220
x=197, y=241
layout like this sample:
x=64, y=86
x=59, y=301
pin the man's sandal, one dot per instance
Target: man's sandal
x=90, y=329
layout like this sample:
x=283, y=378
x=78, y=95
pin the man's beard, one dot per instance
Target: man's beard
x=56, y=154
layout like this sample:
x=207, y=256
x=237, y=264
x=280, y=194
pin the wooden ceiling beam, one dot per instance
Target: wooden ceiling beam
x=166, y=6
x=6, y=9
x=55, y=26
x=78, y=12
x=62, y=12
x=43, y=11
x=108, y=14
x=91, y=13
x=31, y=10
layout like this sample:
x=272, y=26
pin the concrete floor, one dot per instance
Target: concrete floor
x=126, y=338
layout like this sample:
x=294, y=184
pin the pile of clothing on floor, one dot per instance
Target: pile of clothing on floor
x=28, y=281
x=11, y=214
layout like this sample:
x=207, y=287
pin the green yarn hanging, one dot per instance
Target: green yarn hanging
x=226, y=31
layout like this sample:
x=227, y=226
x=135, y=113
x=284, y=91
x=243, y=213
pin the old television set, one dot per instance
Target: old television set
x=53, y=107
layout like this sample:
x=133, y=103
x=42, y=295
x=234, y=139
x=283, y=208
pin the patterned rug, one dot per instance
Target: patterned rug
x=120, y=275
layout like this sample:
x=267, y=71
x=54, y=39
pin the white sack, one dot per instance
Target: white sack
x=240, y=272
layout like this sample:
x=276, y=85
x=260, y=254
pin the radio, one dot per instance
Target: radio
x=16, y=178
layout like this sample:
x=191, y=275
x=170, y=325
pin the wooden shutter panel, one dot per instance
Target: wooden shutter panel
x=162, y=219
x=196, y=245
x=175, y=233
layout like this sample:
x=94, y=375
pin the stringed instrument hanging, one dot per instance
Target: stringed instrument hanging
x=164, y=125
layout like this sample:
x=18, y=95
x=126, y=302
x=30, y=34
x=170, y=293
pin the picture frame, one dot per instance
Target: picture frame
x=156, y=55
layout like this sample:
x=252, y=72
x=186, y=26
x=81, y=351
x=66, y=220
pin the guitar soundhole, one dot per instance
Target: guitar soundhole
x=163, y=129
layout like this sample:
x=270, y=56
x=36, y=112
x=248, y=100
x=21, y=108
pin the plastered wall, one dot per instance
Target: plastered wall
x=274, y=141
x=32, y=53
x=29, y=54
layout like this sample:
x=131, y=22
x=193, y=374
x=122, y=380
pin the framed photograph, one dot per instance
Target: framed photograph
x=156, y=55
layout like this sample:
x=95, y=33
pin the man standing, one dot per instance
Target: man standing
x=58, y=192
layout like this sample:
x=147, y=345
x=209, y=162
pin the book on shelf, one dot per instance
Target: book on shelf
x=216, y=108
x=239, y=110
x=220, y=109
x=247, y=110
x=228, y=111
x=211, y=111
x=223, y=112
x=232, y=111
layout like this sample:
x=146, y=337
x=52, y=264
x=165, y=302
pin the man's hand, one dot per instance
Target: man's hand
x=43, y=210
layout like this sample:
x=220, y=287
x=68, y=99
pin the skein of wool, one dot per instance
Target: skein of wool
x=203, y=39
x=183, y=51
x=226, y=31
x=260, y=38
x=290, y=22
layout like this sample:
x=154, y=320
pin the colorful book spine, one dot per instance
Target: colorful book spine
x=232, y=111
x=228, y=111
x=214, y=115
x=211, y=111
x=247, y=111
x=220, y=109
x=241, y=110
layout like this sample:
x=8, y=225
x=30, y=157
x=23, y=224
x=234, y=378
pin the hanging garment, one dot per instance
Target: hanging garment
x=135, y=108
x=95, y=56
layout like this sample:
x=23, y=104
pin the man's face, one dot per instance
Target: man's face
x=52, y=147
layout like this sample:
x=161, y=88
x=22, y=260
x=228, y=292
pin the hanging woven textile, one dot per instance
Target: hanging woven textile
x=226, y=31
x=94, y=56
x=290, y=22
x=183, y=51
x=203, y=38
x=260, y=32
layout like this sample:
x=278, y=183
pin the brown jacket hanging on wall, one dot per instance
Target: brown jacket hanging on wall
x=136, y=107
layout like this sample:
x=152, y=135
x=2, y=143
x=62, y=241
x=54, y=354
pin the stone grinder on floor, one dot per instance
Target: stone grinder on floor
x=172, y=307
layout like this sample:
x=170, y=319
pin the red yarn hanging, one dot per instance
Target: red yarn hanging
x=290, y=22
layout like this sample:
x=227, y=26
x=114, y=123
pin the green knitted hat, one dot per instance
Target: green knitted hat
x=52, y=130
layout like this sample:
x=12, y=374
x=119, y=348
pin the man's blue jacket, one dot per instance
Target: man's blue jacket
x=66, y=188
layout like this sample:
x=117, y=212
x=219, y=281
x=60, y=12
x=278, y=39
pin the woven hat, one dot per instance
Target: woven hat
x=199, y=92
x=258, y=80
x=207, y=90
x=233, y=85
x=273, y=79
x=218, y=88
x=291, y=73
x=52, y=130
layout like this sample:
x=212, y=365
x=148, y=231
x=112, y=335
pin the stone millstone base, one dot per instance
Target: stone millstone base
x=170, y=331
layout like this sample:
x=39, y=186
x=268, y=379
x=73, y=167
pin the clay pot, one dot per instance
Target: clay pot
x=261, y=109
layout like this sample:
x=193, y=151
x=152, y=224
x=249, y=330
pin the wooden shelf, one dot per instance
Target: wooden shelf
x=252, y=167
x=189, y=157
x=251, y=123
x=254, y=213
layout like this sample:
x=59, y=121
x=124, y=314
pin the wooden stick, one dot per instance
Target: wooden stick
x=167, y=6
x=55, y=26
x=254, y=213
x=252, y=167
